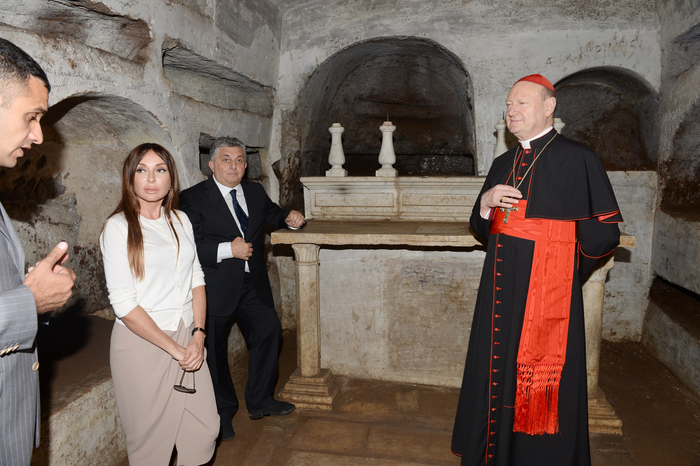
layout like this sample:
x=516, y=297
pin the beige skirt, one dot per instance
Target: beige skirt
x=155, y=417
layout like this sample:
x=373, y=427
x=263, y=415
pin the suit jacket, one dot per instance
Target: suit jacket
x=213, y=223
x=19, y=384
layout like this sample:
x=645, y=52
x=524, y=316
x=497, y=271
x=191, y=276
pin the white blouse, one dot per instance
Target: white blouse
x=165, y=292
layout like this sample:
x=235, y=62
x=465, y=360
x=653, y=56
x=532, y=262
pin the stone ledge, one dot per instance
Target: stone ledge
x=672, y=332
x=83, y=426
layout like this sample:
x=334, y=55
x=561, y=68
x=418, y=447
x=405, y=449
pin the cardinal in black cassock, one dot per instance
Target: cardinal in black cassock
x=548, y=213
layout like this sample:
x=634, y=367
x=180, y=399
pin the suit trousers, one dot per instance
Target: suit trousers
x=262, y=332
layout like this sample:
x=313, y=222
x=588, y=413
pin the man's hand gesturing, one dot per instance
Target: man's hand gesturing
x=50, y=282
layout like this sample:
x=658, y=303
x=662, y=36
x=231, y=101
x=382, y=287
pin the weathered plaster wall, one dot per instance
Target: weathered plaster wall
x=112, y=90
x=397, y=314
x=496, y=42
x=574, y=38
x=627, y=286
x=110, y=93
x=677, y=228
x=677, y=248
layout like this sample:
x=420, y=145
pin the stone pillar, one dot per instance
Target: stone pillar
x=336, y=158
x=601, y=416
x=387, y=157
x=308, y=325
x=309, y=386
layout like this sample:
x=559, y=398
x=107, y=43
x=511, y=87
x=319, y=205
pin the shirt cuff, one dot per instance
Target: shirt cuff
x=223, y=252
x=198, y=280
x=488, y=215
x=121, y=309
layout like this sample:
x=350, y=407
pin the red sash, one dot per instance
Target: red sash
x=542, y=349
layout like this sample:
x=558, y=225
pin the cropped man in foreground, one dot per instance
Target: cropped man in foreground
x=24, y=97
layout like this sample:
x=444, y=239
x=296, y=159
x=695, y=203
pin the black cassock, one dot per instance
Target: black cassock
x=568, y=183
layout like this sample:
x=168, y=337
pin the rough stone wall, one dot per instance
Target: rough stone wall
x=496, y=44
x=627, y=287
x=396, y=314
x=677, y=228
x=613, y=111
x=124, y=73
x=173, y=70
x=417, y=84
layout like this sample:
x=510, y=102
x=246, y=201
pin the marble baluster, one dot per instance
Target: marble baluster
x=501, y=146
x=558, y=125
x=387, y=157
x=336, y=157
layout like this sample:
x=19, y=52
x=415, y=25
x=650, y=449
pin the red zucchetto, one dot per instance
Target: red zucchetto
x=538, y=79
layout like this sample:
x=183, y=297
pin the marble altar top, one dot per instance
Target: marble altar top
x=397, y=233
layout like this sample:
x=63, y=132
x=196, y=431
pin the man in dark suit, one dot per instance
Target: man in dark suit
x=228, y=215
x=24, y=96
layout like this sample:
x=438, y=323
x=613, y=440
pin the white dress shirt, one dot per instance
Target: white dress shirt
x=224, y=250
x=165, y=292
x=526, y=143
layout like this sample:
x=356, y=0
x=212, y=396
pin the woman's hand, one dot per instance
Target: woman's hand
x=194, y=353
x=177, y=352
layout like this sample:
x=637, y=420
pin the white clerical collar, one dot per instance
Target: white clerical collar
x=526, y=144
x=225, y=190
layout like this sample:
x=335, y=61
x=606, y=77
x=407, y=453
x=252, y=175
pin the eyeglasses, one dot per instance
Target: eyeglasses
x=181, y=388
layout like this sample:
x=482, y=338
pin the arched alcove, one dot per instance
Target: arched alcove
x=66, y=187
x=681, y=172
x=423, y=89
x=613, y=111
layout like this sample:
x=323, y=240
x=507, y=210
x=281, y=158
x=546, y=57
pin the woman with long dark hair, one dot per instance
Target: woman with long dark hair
x=156, y=287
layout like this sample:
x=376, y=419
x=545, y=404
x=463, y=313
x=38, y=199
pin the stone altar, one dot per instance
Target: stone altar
x=314, y=387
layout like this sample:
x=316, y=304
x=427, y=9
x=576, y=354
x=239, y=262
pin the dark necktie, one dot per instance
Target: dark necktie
x=242, y=217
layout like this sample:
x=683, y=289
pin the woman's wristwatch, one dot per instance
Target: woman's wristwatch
x=199, y=329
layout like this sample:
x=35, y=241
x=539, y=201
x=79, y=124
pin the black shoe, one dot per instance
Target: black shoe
x=275, y=408
x=226, y=431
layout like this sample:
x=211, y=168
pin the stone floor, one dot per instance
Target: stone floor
x=376, y=423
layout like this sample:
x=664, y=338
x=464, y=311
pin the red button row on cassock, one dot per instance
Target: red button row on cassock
x=492, y=433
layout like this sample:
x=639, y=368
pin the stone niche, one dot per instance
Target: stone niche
x=677, y=225
x=65, y=188
x=206, y=81
x=681, y=173
x=611, y=110
x=90, y=23
x=420, y=86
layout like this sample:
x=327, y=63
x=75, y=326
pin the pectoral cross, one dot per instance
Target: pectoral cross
x=508, y=211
